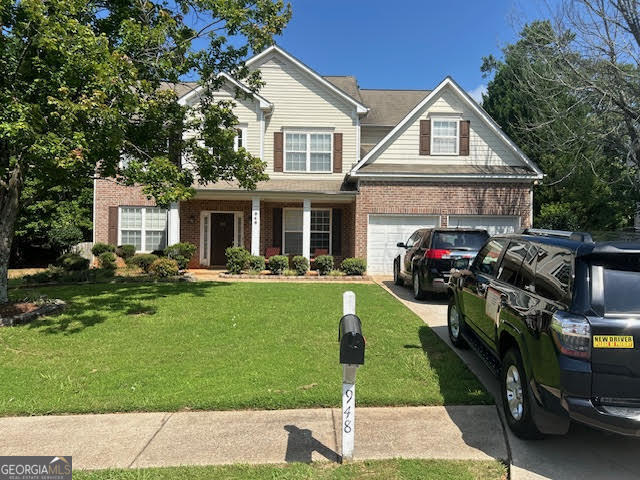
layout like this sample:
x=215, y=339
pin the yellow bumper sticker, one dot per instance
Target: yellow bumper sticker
x=613, y=341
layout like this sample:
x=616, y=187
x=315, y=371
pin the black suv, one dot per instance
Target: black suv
x=430, y=254
x=557, y=316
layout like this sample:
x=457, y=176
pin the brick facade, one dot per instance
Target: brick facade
x=438, y=199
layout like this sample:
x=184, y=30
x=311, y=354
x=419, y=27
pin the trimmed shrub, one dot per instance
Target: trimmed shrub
x=143, y=260
x=237, y=259
x=108, y=260
x=57, y=274
x=164, y=267
x=278, y=263
x=64, y=236
x=336, y=273
x=324, y=264
x=289, y=273
x=72, y=262
x=181, y=253
x=300, y=264
x=256, y=263
x=354, y=266
x=157, y=253
x=126, y=251
x=99, y=248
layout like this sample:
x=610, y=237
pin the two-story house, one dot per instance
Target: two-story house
x=352, y=172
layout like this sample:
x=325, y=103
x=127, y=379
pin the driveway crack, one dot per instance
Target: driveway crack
x=155, y=434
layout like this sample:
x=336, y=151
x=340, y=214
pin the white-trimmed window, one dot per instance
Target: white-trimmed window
x=292, y=230
x=445, y=134
x=308, y=152
x=240, y=139
x=143, y=227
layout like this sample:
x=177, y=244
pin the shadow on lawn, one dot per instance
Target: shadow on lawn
x=90, y=305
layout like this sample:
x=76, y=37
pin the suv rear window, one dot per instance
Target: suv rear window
x=459, y=240
x=621, y=291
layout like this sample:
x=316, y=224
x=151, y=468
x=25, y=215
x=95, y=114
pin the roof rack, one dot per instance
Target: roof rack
x=577, y=236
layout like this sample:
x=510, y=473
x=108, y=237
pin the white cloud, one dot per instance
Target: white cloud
x=477, y=92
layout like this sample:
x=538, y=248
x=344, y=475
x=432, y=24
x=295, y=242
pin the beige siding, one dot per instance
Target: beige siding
x=302, y=102
x=486, y=148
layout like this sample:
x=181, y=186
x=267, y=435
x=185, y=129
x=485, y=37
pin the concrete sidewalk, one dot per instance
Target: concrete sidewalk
x=273, y=436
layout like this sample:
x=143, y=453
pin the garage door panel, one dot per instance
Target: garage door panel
x=385, y=231
x=494, y=224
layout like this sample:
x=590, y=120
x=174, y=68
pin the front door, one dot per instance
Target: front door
x=222, y=232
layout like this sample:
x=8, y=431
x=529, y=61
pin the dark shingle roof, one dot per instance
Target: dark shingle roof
x=181, y=88
x=388, y=107
x=430, y=169
x=347, y=83
x=277, y=184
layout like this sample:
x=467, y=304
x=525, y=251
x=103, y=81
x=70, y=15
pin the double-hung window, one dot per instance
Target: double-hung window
x=444, y=136
x=308, y=152
x=240, y=139
x=293, y=226
x=143, y=227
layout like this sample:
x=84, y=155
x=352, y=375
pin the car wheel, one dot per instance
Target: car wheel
x=515, y=397
x=418, y=293
x=454, y=325
x=396, y=273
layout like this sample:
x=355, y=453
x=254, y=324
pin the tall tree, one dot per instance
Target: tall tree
x=589, y=184
x=81, y=88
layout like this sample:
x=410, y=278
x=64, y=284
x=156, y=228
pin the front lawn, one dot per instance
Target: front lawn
x=380, y=469
x=166, y=347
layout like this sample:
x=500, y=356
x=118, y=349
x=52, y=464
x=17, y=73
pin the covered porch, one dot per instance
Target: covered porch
x=267, y=224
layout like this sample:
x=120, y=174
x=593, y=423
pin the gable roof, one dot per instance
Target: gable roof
x=348, y=84
x=388, y=107
x=264, y=103
x=360, y=108
x=477, y=109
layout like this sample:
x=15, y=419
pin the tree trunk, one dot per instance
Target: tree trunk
x=9, y=200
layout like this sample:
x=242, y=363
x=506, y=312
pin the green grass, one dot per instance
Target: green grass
x=398, y=469
x=167, y=347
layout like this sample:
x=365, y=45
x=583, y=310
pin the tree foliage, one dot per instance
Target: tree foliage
x=85, y=83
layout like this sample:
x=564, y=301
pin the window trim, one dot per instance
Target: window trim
x=308, y=133
x=243, y=130
x=455, y=120
x=143, y=227
x=284, y=230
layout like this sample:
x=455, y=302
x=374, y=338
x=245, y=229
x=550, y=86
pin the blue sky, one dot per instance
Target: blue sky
x=407, y=43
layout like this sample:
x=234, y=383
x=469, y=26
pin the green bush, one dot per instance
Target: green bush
x=289, y=273
x=157, y=253
x=73, y=262
x=143, y=260
x=126, y=251
x=58, y=275
x=100, y=248
x=336, y=273
x=354, y=266
x=300, y=264
x=182, y=253
x=256, y=263
x=237, y=259
x=278, y=263
x=64, y=236
x=164, y=267
x=107, y=260
x=324, y=264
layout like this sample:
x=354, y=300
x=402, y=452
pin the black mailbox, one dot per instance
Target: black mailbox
x=351, y=340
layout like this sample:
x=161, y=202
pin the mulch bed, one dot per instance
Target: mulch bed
x=294, y=278
x=23, y=312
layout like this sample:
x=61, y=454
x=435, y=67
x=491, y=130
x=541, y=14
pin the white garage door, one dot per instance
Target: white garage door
x=385, y=231
x=494, y=224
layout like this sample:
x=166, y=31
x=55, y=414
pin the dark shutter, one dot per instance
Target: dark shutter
x=336, y=232
x=113, y=226
x=464, y=137
x=337, y=153
x=425, y=137
x=277, y=227
x=277, y=151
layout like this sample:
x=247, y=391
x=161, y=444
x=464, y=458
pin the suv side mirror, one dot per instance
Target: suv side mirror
x=401, y=245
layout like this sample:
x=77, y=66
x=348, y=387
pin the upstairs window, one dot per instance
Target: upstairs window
x=444, y=136
x=308, y=152
x=240, y=139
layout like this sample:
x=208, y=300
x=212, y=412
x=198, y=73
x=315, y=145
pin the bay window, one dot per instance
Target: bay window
x=143, y=227
x=308, y=152
x=292, y=226
x=444, y=136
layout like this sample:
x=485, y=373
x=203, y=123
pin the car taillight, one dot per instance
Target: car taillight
x=436, y=253
x=571, y=334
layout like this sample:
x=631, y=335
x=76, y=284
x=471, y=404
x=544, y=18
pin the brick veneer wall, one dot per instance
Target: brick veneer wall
x=108, y=194
x=438, y=199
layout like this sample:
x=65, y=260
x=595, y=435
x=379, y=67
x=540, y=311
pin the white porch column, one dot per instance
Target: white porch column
x=173, y=233
x=255, y=226
x=306, y=228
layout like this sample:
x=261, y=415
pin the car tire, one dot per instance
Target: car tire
x=514, y=389
x=418, y=293
x=455, y=325
x=396, y=273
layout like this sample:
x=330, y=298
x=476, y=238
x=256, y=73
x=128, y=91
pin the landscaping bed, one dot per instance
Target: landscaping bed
x=24, y=311
x=309, y=276
x=220, y=345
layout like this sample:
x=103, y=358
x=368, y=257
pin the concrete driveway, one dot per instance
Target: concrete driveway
x=583, y=454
